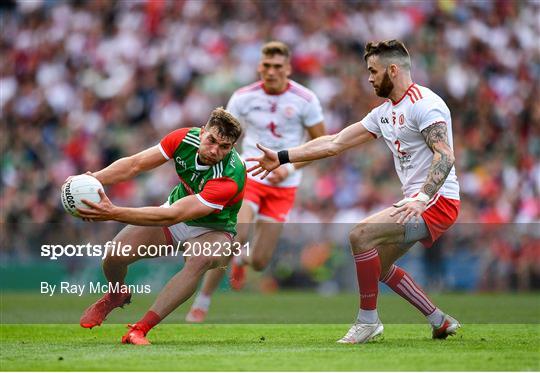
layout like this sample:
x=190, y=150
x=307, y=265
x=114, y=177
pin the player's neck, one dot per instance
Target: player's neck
x=276, y=91
x=400, y=88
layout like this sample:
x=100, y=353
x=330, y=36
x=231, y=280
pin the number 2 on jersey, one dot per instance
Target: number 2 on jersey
x=398, y=145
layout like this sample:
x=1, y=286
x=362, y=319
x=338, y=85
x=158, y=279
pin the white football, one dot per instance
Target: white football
x=78, y=188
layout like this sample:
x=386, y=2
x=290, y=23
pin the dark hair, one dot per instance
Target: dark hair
x=276, y=47
x=388, y=49
x=227, y=125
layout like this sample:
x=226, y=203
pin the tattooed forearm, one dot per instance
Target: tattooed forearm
x=439, y=170
x=436, y=137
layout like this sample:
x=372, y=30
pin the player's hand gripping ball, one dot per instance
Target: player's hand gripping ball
x=77, y=188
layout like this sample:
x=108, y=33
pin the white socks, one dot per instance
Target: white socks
x=367, y=317
x=436, y=317
x=202, y=302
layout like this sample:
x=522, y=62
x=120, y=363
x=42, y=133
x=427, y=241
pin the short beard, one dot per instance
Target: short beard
x=386, y=86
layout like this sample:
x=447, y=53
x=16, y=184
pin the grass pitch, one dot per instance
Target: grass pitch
x=278, y=347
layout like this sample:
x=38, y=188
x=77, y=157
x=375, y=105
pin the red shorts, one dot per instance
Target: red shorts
x=272, y=202
x=439, y=216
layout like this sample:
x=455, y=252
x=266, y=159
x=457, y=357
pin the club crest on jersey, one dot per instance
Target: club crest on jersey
x=385, y=120
x=289, y=112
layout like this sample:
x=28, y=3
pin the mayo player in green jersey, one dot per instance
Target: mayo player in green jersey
x=201, y=209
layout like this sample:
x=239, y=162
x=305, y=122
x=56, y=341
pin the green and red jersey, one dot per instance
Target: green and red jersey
x=220, y=186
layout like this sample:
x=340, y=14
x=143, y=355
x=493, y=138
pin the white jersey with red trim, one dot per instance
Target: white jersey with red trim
x=401, y=124
x=277, y=121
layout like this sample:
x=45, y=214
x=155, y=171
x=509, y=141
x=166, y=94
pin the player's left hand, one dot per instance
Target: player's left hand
x=278, y=175
x=97, y=211
x=266, y=163
x=409, y=209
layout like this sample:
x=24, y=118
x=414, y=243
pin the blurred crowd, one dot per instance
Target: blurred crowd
x=83, y=83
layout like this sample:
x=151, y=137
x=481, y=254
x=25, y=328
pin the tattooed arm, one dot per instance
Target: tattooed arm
x=436, y=137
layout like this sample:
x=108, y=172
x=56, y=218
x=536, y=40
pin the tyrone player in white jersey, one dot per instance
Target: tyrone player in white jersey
x=415, y=123
x=278, y=113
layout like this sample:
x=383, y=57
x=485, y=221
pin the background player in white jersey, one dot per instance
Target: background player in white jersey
x=276, y=112
x=416, y=125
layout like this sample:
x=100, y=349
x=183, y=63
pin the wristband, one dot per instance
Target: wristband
x=283, y=156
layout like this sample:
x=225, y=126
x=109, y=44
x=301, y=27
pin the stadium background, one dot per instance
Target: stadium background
x=83, y=83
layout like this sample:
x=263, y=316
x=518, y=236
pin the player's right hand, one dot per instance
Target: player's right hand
x=265, y=163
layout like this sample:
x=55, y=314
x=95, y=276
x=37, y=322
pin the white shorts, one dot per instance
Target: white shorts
x=181, y=232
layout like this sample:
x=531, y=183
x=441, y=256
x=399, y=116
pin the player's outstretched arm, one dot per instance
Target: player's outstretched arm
x=187, y=208
x=436, y=137
x=314, y=132
x=331, y=145
x=128, y=167
x=321, y=147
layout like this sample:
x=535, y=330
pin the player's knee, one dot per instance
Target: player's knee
x=199, y=263
x=360, y=237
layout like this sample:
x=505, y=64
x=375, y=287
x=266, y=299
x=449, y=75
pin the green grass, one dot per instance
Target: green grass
x=267, y=347
x=276, y=346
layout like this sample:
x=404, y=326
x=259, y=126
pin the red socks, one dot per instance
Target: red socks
x=368, y=271
x=402, y=283
x=149, y=320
